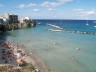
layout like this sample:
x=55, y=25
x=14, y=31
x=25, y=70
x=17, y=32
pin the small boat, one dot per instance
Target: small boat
x=94, y=26
x=87, y=23
x=77, y=48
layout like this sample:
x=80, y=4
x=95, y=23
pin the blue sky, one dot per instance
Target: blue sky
x=50, y=9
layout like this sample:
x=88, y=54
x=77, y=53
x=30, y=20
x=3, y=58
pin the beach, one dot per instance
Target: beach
x=9, y=50
x=7, y=58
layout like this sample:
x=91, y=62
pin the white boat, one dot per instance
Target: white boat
x=94, y=26
x=87, y=23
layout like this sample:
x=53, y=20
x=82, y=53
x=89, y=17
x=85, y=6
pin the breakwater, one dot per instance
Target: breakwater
x=64, y=30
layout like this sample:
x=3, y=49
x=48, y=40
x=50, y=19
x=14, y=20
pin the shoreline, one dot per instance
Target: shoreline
x=36, y=61
x=39, y=65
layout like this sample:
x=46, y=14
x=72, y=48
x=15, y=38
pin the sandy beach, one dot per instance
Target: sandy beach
x=37, y=62
x=9, y=49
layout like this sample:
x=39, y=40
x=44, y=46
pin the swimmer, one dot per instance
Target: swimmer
x=55, y=43
x=77, y=48
x=30, y=52
x=73, y=58
x=37, y=70
x=48, y=70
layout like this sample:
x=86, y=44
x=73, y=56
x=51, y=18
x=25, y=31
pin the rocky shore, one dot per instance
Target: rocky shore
x=15, y=26
x=12, y=68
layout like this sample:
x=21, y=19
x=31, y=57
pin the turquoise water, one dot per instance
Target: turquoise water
x=63, y=56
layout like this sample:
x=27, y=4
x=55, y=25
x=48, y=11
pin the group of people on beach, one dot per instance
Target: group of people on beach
x=5, y=55
x=11, y=51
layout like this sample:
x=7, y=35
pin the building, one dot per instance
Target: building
x=10, y=18
x=25, y=20
x=1, y=21
x=13, y=19
x=6, y=21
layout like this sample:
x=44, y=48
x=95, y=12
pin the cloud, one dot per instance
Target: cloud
x=30, y=5
x=55, y=16
x=51, y=9
x=77, y=10
x=25, y=5
x=82, y=13
x=94, y=9
x=55, y=4
x=47, y=4
x=21, y=6
x=35, y=10
x=88, y=13
x=64, y=1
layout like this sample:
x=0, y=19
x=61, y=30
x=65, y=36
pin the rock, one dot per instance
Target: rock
x=12, y=68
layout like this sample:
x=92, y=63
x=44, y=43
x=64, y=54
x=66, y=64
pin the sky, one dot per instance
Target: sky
x=50, y=9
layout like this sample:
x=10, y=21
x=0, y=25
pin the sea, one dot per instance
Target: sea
x=73, y=49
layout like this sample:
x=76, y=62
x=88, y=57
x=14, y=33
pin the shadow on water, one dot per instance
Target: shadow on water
x=3, y=37
x=6, y=53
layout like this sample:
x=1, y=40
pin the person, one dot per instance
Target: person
x=77, y=48
x=20, y=59
x=37, y=70
x=19, y=56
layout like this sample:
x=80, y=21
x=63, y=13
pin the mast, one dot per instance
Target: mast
x=87, y=23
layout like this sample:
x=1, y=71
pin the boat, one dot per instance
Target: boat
x=94, y=26
x=87, y=23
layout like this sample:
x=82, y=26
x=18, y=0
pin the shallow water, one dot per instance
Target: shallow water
x=61, y=56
